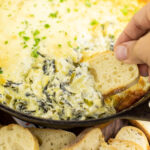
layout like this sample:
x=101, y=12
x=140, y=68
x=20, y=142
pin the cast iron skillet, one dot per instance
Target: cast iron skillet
x=140, y=110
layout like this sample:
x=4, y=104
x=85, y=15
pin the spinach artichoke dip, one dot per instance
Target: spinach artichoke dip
x=44, y=50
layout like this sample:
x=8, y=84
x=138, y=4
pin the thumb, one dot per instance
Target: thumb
x=136, y=52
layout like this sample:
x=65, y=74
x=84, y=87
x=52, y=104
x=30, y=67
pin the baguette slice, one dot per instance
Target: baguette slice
x=15, y=137
x=124, y=145
x=89, y=139
x=51, y=139
x=133, y=134
x=105, y=146
x=144, y=126
x=111, y=75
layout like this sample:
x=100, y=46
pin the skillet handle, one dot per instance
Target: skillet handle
x=140, y=112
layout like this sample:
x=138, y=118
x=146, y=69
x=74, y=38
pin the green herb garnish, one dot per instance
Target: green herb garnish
x=26, y=38
x=76, y=9
x=53, y=15
x=25, y=46
x=34, y=53
x=69, y=44
x=9, y=15
x=47, y=26
x=102, y=26
x=111, y=36
x=6, y=42
x=1, y=71
x=44, y=37
x=68, y=10
x=66, y=33
x=31, y=15
x=37, y=41
x=75, y=38
x=36, y=32
x=59, y=45
x=87, y=3
x=125, y=10
x=94, y=22
x=21, y=33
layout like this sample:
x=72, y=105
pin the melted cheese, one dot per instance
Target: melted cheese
x=42, y=45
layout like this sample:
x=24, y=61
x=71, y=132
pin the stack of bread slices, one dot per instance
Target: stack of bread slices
x=128, y=138
x=16, y=137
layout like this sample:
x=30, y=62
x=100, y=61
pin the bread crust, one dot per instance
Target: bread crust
x=135, y=129
x=128, y=97
x=140, y=126
x=82, y=136
x=32, y=137
x=138, y=147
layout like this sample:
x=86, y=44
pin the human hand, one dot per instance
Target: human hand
x=133, y=45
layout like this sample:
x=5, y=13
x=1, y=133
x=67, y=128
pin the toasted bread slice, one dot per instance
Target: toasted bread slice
x=52, y=139
x=131, y=95
x=15, y=137
x=124, y=145
x=133, y=134
x=89, y=139
x=111, y=75
x=105, y=146
x=144, y=126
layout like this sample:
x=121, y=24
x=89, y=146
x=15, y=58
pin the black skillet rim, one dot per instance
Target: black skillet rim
x=71, y=122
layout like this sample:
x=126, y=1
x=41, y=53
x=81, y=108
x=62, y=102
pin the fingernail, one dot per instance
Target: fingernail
x=121, y=52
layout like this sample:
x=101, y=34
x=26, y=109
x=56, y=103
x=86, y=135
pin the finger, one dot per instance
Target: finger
x=137, y=52
x=143, y=70
x=138, y=26
x=125, y=52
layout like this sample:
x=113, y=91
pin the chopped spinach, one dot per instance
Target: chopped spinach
x=49, y=67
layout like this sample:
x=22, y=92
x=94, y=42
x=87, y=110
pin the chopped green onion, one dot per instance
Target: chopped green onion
x=75, y=38
x=25, y=46
x=76, y=10
x=37, y=41
x=69, y=44
x=26, y=38
x=102, y=26
x=94, y=22
x=31, y=15
x=6, y=42
x=66, y=33
x=9, y=15
x=125, y=10
x=44, y=37
x=68, y=10
x=36, y=32
x=87, y=3
x=21, y=33
x=53, y=15
x=34, y=53
x=47, y=26
x=111, y=36
x=1, y=71
x=59, y=45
